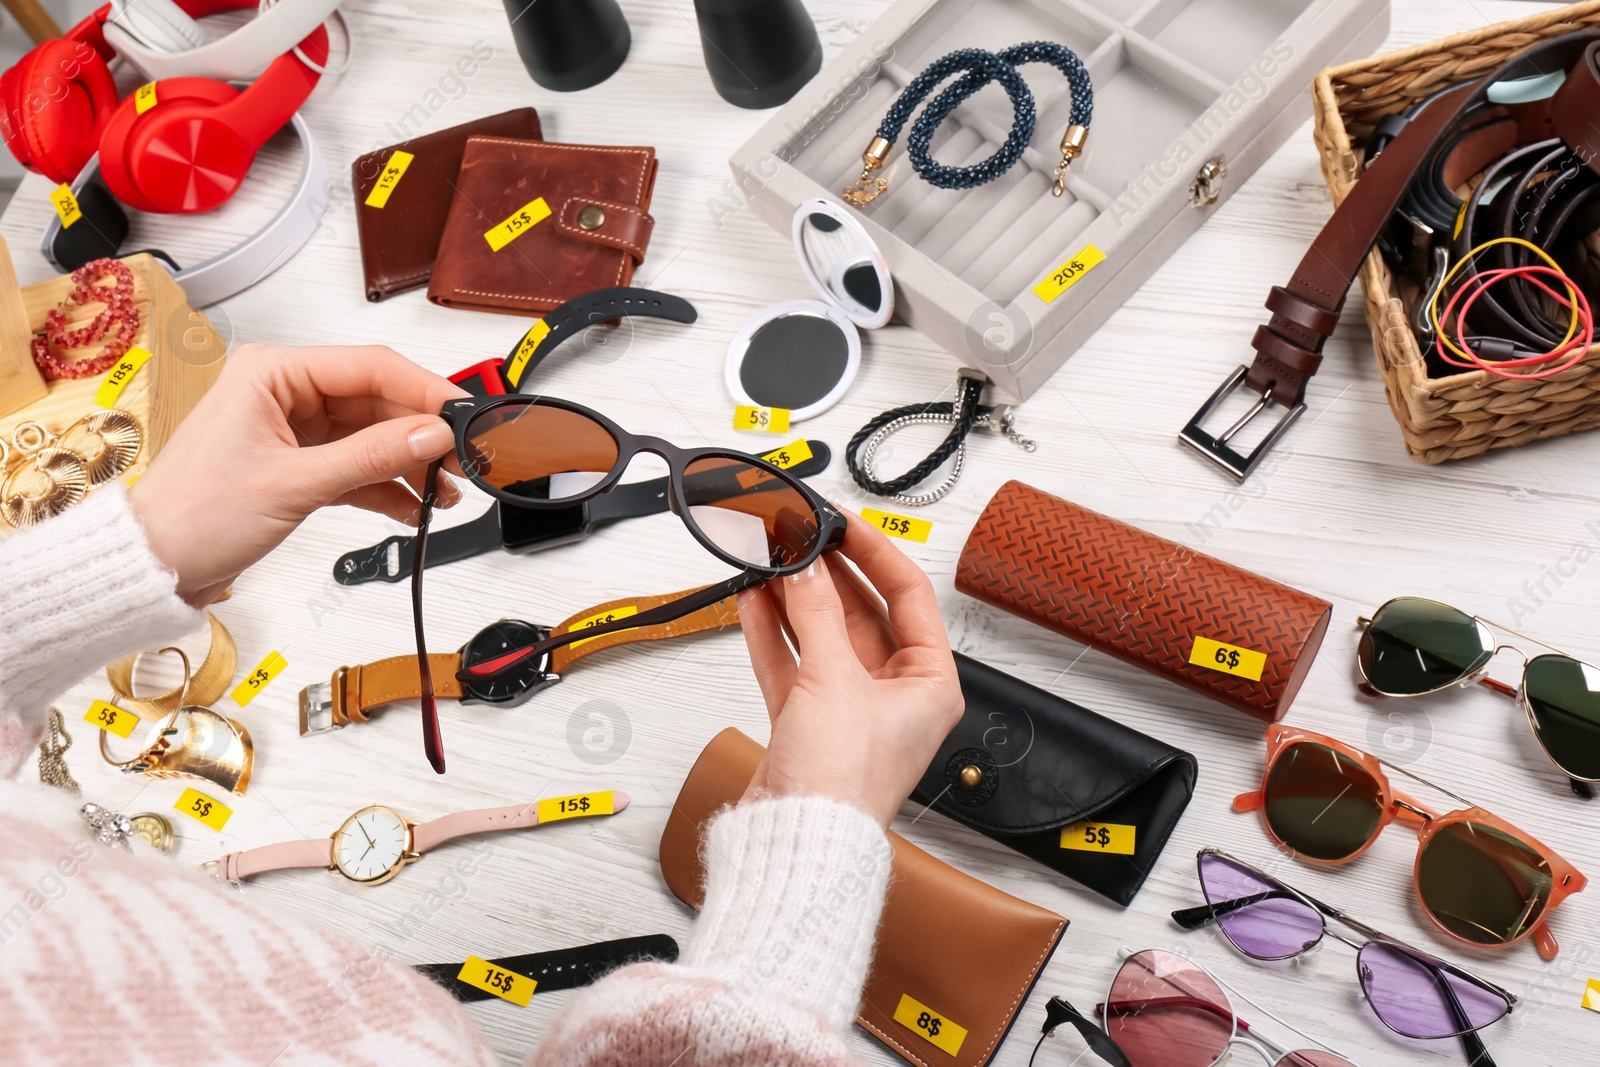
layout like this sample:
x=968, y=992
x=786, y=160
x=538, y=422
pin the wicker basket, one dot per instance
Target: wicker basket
x=1471, y=412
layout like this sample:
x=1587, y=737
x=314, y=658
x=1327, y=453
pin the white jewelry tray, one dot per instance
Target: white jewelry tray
x=1177, y=83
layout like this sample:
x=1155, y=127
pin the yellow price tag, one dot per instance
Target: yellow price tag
x=762, y=420
x=1591, y=995
x=507, y=985
x=517, y=223
x=111, y=719
x=1229, y=659
x=1069, y=273
x=1114, y=838
x=791, y=454
x=202, y=809
x=902, y=526
x=66, y=205
x=577, y=806
x=258, y=679
x=929, y=1025
x=118, y=377
x=393, y=171
x=144, y=98
x=600, y=619
x=519, y=359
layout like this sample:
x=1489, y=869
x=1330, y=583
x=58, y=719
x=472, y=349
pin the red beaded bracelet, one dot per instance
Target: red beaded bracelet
x=120, y=315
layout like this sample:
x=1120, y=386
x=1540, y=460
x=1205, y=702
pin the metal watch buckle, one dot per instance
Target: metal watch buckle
x=316, y=708
x=1216, y=448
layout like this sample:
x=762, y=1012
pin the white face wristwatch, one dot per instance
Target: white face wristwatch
x=374, y=843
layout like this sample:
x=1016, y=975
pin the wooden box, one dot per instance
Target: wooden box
x=20, y=381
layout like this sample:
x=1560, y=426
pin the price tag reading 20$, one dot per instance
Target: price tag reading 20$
x=507, y=985
x=1229, y=659
x=519, y=222
x=928, y=1024
x=576, y=806
x=1069, y=273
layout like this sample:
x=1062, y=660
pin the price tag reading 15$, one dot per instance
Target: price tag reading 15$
x=901, y=526
x=507, y=985
x=517, y=223
x=576, y=806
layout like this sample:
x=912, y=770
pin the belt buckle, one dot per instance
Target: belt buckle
x=1216, y=448
x=316, y=706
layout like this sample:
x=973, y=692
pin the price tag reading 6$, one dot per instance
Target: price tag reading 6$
x=1229, y=659
x=258, y=679
x=520, y=221
x=204, y=810
x=507, y=985
x=1110, y=837
x=938, y=1031
x=901, y=526
x=576, y=806
x=111, y=719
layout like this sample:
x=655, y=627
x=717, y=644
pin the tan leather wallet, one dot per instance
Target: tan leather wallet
x=939, y=1000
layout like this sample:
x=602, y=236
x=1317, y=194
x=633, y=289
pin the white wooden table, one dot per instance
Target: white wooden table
x=1344, y=514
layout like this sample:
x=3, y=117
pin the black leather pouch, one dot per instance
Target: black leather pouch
x=1086, y=796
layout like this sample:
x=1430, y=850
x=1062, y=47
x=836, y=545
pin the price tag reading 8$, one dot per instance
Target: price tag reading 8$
x=929, y=1025
x=507, y=985
x=1109, y=837
x=577, y=806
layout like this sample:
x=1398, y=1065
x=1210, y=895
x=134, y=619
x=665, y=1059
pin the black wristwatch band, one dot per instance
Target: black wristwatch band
x=602, y=305
x=504, y=526
x=566, y=968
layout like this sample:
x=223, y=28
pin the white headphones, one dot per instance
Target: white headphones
x=163, y=41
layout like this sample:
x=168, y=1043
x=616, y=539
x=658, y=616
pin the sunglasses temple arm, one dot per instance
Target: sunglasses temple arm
x=1477, y=1052
x=1058, y=1011
x=1194, y=918
x=432, y=743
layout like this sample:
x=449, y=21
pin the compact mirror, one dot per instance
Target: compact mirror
x=803, y=354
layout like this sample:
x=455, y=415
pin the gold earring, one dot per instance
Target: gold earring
x=192, y=742
x=52, y=482
x=117, y=440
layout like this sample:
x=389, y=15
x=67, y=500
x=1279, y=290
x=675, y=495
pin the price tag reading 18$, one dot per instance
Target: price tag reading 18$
x=901, y=526
x=118, y=377
x=1069, y=273
x=202, y=809
x=789, y=455
x=1114, y=838
x=576, y=806
x=761, y=420
x=940, y=1032
x=393, y=171
x=1229, y=659
x=519, y=222
x=111, y=719
x=66, y=205
x=600, y=619
x=507, y=985
x=258, y=679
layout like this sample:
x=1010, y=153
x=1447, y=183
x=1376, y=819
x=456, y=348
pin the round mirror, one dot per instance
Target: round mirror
x=843, y=264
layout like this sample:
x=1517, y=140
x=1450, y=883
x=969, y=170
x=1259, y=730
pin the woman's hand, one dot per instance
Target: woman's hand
x=873, y=696
x=283, y=432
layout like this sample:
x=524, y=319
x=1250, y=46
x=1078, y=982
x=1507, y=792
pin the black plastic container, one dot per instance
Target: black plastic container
x=569, y=44
x=758, y=52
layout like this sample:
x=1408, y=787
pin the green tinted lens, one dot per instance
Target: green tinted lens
x=1481, y=884
x=1564, y=696
x=1321, y=803
x=1416, y=646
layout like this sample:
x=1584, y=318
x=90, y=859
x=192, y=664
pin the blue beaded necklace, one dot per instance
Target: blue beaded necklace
x=981, y=67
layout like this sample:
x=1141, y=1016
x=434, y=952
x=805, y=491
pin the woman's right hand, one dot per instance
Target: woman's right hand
x=873, y=695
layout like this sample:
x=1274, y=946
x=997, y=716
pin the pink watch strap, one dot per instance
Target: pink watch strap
x=426, y=835
x=239, y=865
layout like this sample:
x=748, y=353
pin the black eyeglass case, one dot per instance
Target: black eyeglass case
x=1085, y=796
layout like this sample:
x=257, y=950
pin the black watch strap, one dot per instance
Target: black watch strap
x=566, y=968
x=390, y=559
x=576, y=315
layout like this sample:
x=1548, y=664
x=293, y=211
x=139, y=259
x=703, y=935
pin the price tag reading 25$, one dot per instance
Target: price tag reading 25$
x=928, y=1024
x=600, y=619
x=519, y=222
x=507, y=985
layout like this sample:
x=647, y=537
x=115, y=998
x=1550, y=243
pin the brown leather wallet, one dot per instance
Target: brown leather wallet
x=974, y=980
x=400, y=225
x=1218, y=629
x=535, y=224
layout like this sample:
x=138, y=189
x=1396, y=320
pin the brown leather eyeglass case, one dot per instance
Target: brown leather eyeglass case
x=401, y=226
x=534, y=224
x=976, y=974
x=1218, y=629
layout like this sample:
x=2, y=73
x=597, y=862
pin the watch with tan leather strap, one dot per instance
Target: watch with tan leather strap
x=1305, y=312
x=373, y=844
x=353, y=692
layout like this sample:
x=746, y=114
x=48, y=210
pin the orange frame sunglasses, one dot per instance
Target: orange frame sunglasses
x=1478, y=878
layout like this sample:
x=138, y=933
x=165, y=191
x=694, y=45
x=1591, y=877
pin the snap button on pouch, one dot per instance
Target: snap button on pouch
x=592, y=217
x=972, y=776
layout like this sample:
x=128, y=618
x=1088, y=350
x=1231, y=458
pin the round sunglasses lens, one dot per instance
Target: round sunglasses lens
x=538, y=451
x=1564, y=696
x=1418, y=998
x=1322, y=803
x=1416, y=646
x=1166, y=1012
x=750, y=513
x=1482, y=884
x=1260, y=917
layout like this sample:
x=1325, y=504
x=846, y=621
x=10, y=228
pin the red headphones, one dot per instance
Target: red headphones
x=186, y=154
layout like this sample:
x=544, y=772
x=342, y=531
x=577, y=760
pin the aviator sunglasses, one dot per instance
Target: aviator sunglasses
x=1412, y=992
x=540, y=452
x=1411, y=647
x=1478, y=878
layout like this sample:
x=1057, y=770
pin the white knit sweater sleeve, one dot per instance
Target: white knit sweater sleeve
x=774, y=967
x=76, y=593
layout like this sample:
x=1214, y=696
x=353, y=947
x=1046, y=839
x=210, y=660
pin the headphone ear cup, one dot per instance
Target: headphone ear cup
x=57, y=99
x=179, y=157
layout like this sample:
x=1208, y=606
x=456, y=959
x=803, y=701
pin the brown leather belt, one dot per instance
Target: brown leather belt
x=1305, y=312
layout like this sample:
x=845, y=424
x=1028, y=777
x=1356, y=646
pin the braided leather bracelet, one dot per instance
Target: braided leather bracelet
x=982, y=67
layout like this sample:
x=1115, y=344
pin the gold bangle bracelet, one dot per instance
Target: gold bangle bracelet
x=207, y=686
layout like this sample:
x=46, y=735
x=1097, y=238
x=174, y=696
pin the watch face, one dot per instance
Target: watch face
x=494, y=641
x=371, y=845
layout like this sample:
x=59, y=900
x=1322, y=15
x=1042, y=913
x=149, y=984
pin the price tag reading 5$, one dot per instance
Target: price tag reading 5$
x=938, y=1031
x=202, y=809
x=901, y=526
x=600, y=619
x=507, y=985
x=111, y=719
x=118, y=377
x=1114, y=838
x=762, y=420
x=258, y=679
x=520, y=221
x=576, y=806
x=1229, y=659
